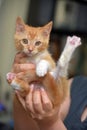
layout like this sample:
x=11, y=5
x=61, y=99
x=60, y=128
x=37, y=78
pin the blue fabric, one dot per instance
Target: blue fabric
x=78, y=104
x=2, y=107
x=5, y=127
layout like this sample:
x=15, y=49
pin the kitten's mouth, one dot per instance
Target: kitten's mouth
x=29, y=53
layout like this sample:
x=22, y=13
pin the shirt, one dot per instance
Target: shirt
x=78, y=104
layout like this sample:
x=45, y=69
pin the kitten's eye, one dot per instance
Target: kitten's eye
x=25, y=41
x=38, y=43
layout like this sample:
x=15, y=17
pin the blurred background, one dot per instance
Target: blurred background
x=69, y=18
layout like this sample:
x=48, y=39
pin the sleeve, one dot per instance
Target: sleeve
x=78, y=94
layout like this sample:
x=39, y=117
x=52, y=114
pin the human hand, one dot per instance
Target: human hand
x=39, y=94
x=37, y=104
x=37, y=101
x=17, y=67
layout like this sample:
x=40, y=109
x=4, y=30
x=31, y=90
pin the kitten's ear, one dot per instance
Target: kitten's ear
x=47, y=29
x=19, y=25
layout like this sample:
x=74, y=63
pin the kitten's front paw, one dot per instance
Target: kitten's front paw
x=42, y=68
x=10, y=76
x=41, y=71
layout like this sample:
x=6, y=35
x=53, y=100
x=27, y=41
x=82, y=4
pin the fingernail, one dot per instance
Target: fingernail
x=16, y=91
x=42, y=89
x=32, y=116
x=32, y=86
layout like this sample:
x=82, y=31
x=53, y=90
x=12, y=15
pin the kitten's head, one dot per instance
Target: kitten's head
x=31, y=40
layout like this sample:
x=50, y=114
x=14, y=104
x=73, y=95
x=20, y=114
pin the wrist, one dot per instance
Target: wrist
x=47, y=120
x=52, y=125
x=47, y=124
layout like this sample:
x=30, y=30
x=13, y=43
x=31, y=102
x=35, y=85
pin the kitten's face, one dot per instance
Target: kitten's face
x=31, y=40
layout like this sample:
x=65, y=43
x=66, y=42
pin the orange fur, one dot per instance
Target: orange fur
x=33, y=43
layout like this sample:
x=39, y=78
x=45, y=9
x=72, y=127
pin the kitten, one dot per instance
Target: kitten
x=33, y=43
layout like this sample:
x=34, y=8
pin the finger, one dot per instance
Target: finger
x=37, y=101
x=27, y=66
x=47, y=105
x=20, y=75
x=19, y=55
x=21, y=100
x=23, y=67
x=29, y=102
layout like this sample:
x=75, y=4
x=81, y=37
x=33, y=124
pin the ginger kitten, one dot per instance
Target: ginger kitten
x=32, y=43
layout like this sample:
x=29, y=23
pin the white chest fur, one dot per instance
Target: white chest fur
x=42, y=65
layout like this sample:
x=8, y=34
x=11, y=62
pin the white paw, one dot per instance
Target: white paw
x=42, y=68
x=10, y=76
x=41, y=71
x=74, y=40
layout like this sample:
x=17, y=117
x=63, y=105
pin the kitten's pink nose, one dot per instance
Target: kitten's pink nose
x=30, y=49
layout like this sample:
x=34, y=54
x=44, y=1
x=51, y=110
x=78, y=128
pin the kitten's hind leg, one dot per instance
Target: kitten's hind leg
x=60, y=74
x=63, y=63
x=56, y=90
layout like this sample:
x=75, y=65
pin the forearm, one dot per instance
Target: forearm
x=21, y=120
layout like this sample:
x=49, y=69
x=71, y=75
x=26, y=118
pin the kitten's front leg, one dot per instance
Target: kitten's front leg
x=42, y=68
